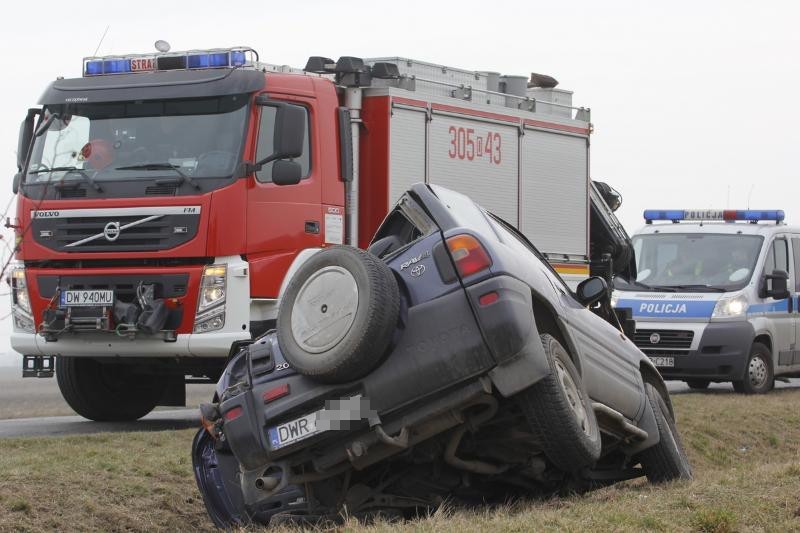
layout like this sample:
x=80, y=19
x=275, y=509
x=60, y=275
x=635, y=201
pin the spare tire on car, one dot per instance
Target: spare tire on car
x=338, y=314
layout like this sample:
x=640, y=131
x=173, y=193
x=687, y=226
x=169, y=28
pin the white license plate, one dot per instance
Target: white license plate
x=663, y=361
x=97, y=298
x=293, y=431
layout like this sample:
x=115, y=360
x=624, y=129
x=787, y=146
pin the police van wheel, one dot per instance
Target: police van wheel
x=338, y=315
x=107, y=392
x=698, y=384
x=758, y=375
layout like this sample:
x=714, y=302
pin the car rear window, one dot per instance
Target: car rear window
x=466, y=213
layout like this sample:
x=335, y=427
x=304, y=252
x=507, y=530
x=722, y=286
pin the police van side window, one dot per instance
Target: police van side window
x=796, y=253
x=266, y=142
x=778, y=257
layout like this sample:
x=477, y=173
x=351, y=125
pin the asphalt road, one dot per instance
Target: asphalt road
x=54, y=426
x=43, y=391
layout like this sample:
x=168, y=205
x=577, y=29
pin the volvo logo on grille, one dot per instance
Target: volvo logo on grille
x=111, y=231
x=655, y=338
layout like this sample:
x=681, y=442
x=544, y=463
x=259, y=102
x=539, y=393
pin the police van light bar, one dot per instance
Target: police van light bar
x=728, y=215
x=196, y=59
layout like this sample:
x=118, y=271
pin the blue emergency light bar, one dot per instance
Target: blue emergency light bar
x=728, y=215
x=196, y=59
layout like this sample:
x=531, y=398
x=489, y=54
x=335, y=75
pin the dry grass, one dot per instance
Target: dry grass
x=745, y=452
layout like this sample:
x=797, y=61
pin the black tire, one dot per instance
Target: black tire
x=107, y=392
x=564, y=425
x=758, y=374
x=698, y=384
x=666, y=460
x=352, y=340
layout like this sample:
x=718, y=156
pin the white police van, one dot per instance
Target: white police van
x=716, y=296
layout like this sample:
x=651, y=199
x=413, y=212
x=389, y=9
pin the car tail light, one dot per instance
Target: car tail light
x=468, y=254
x=488, y=299
x=233, y=413
x=276, y=392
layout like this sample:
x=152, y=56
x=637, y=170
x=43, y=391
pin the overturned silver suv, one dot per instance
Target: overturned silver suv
x=449, y=361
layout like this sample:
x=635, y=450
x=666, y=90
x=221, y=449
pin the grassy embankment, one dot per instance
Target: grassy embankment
x=745, y=452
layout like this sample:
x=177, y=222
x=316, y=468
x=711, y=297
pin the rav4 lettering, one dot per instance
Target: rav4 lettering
x=413, y=260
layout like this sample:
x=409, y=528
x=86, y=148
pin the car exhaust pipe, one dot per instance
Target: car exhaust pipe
x=472, y=423
x=267, y=483
x=270, y=478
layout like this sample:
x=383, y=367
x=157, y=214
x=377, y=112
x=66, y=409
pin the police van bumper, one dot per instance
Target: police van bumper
x=718, y=350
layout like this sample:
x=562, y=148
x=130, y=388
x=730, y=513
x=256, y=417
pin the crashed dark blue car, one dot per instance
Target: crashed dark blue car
x=449, y=361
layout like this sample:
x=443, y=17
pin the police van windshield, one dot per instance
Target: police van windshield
x=692, y=261
x=104, y=143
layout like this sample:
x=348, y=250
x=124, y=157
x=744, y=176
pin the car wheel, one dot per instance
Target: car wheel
x=698, y=384
x=758, y=376
x=667, y=459
x=107, y=392
x=560, y=413
x=338, y=315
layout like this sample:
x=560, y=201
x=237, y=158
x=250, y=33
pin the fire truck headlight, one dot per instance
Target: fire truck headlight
x=21, y=302
x=211, y=300
x=19, y=289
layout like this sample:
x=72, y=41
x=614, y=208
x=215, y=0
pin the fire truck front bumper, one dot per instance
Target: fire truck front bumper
x=85, y=344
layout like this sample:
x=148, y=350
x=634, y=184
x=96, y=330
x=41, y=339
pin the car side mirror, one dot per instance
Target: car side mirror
x=776, y=285
x=15, y=183
x=592, y=290
x=286, y=172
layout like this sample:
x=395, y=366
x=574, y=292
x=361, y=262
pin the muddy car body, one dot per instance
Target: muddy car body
x=448, y=361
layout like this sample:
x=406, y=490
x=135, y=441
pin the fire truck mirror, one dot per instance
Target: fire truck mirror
x=288, y=134
x=290, y=125
x=16, y=182
x=25, y=137
x=286, y=172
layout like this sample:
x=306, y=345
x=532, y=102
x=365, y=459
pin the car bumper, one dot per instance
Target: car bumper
x=720, y=355
x=86, y=344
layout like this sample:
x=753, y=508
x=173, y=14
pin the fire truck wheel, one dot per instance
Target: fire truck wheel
x=338, y=314
x=107, y=392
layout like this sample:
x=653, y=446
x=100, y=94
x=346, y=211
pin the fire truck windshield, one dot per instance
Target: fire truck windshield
x=110, y=145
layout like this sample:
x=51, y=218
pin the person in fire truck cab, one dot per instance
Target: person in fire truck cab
x=97, y=154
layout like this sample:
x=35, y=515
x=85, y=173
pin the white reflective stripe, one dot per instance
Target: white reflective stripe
x=121, y=228
x=118, y=212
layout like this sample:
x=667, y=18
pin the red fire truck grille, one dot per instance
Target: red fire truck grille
x=109, y=234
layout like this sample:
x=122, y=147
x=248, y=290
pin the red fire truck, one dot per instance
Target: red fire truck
x=165, y=199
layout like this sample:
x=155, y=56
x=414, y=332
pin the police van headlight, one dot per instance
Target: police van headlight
x=614, y=299
x=211, y=300
x=730, y=307
x=20, y=302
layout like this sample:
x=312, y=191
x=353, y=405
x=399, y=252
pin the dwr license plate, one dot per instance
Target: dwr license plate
x=293, y=431
x=663, y=361
x=95, y=298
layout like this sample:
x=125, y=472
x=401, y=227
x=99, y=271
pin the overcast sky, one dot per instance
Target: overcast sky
x=693, y=103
